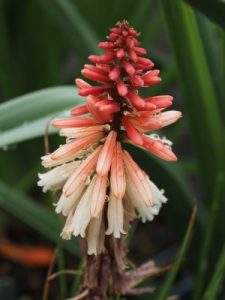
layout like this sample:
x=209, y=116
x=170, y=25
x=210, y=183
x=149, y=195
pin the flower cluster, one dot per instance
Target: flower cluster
x=103, y=189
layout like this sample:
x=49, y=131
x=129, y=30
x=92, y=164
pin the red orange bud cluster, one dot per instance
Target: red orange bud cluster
x=122, y=71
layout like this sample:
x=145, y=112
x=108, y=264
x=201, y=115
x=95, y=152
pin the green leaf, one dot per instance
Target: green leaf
x=208, y=241
x=215, y=284
x=213, y=9
x=139, y=13
x=28, y=116
x=26, y=131
x=45, y=70
x=212, y=42
x=196, y=82
x=35, y=105
x=67, y=16
x=34, y=215
x=165, y=289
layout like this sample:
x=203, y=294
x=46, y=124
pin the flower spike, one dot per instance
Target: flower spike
x=103, y=188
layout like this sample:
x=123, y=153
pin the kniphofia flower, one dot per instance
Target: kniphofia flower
x=103, y=188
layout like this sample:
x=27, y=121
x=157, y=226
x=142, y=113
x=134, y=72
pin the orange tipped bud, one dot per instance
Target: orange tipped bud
x=158, y=148
x=106, y=155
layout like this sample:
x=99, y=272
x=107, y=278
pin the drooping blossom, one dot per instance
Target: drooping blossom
x=103, y=188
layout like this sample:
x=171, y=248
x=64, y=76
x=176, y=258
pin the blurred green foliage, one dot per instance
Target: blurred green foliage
x=44, y=44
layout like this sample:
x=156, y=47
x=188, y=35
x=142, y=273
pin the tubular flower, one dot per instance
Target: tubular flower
x=103, y=188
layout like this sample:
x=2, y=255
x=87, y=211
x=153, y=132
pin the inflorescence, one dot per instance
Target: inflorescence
x=103, y=188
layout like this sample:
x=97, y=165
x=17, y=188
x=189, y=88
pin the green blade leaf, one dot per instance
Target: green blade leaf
x=138, y=14
x=207, y=243
x=26, y=131
x=70, y=20
x=34, y=215
x=212, y=41
x=213, y=9
x=165, y=289
x=28, y=116
x=35, y=105
x=197, y=85
x=216, y=282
